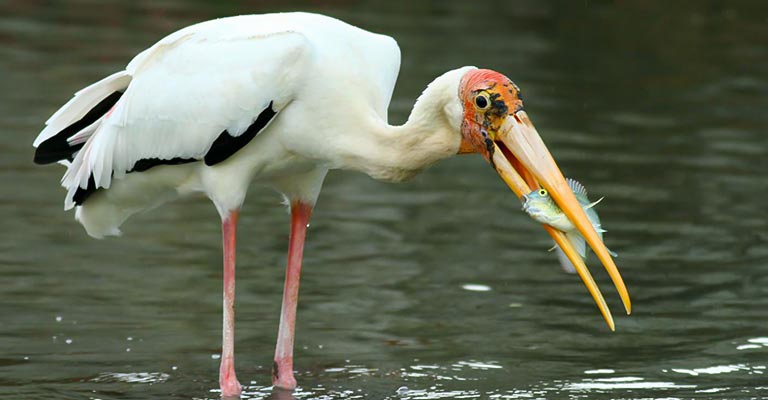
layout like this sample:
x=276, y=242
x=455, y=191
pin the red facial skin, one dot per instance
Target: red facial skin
x=488, y=97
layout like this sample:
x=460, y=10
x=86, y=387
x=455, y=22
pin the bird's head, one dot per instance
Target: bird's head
x=495, y=125
x=487, y=98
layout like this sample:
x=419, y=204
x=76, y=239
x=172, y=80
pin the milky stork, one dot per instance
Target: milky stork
x=282, y=99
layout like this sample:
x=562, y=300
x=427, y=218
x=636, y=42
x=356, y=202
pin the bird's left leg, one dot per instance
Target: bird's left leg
x=301, y=190
x=282, y=369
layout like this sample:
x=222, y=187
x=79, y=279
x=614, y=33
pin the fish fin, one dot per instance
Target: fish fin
x=576, y=186
x=564, y=261
x=578, y=243
x=553, y=248
x=612, y=253
x=599, y=229
x=594, y=203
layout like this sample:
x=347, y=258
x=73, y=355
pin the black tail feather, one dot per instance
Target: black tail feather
x=82, y=194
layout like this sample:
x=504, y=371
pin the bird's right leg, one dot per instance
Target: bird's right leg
x=227, y=379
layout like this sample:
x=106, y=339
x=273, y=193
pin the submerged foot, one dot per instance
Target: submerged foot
x=282, y=374
x=230, y=387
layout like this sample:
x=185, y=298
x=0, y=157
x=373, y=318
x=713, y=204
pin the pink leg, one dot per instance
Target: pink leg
x=282, y=369
x=227, y=379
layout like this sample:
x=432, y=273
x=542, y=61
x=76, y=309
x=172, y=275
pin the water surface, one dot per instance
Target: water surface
x=439, y=287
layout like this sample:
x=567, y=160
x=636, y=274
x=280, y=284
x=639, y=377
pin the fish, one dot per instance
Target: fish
x=542, y=208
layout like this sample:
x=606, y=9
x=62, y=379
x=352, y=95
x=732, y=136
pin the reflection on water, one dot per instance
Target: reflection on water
x=754, y=344
x=132, y=377
x=436, y=288
x=625, y=383
x=721, y=369
x=473, y=287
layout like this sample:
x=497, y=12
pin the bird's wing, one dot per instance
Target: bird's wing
x=200, y=93
x=84, y=101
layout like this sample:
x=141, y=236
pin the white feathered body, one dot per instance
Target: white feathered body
x=328, y=81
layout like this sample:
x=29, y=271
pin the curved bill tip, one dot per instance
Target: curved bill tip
x=584, y=274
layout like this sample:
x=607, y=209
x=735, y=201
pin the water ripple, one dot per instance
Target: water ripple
x=132, y=377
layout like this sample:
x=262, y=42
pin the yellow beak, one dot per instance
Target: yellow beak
x=524, y=162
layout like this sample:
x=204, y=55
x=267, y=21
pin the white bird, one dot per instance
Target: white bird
x=281, y=99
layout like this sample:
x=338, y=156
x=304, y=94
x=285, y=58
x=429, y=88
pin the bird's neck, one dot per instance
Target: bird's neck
x=431, y=133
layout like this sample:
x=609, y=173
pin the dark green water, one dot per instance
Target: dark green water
x=659, y=106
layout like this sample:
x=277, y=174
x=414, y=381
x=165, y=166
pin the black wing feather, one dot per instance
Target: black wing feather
x=226, y=145
x=57, y=148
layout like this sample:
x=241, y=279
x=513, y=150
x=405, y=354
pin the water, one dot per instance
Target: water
x=436, y=288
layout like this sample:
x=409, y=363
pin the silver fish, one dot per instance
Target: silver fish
x=540, y=206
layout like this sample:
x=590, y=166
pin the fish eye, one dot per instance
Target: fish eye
x=482, y=101
x=542, y=192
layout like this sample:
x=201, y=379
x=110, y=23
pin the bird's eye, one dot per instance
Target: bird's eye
x=482, y=102
x=543, y=192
